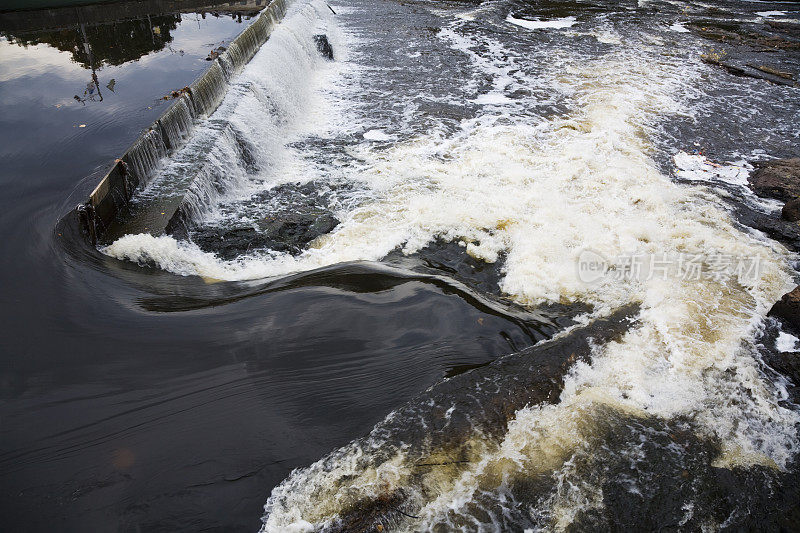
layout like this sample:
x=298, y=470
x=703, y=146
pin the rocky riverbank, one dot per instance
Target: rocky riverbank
x=780, y=180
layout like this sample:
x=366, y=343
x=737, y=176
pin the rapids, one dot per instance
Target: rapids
x=528, y=135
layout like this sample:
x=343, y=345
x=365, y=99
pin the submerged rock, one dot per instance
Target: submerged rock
x=761, y=72
x=743, y=47
x=295, y=230
x=780, y=37
x=324, y=46
x=777, y=179
x=284, y=232
x=776, y=227
x=285, y=218
x=788, y=365
x=447, y=426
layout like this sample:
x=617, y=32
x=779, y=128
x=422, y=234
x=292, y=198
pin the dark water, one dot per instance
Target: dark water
x=137, y=399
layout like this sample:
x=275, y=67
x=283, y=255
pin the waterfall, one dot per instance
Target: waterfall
x=143, y=157
x=176, y=123
x=229, y=164
x=209, y=89
x=107, y=205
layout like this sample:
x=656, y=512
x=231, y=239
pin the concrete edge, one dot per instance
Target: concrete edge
x=132, y=171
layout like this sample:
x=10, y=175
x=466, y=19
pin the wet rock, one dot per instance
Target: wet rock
x=744, y=45
x=384, y=513
x=773, y=226
x=791, y=211
x=289, y=233
x=295, y=230
x=760, y=35
x=451, y=260
x=285, y=218
x=788, y=365
x=230, y=243
x=774, y=71
x=777, y=179
x=748, y=70
x=792, y=29
x=788, y=309
x=324, y=46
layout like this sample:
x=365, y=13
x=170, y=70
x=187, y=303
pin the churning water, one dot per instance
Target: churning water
x=526, y=134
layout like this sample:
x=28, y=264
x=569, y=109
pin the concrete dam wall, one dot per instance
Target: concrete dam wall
x=108, y=213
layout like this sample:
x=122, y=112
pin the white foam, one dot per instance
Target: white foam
x=377, y=135
x=699, y=168
x=540, y=194
x=493, y=98
x=770, y=13
x=270, y=111
x=566, y=22
x=786, y=342
x=679, y=27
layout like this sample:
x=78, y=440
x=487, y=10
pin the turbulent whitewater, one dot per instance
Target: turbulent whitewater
x=529, y=138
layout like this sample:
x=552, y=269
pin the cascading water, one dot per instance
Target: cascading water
x=117, y=206
x=145, y=155
x=527, y=145
x=232, y=59
x=209, y=90
x=177, y=122
x=239, y=147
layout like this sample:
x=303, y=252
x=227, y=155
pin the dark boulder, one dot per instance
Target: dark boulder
x=773, y=226
x=284, y=218
x=444, y=426
x=788, y=365
x=229, y=243
x=283, y=232
x=295, y=230
x=791, y=211
x=788, y=309
x=324, y=46
x=777, y=179
x=770, y=36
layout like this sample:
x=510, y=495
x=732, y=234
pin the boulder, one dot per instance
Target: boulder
x=791, y=211
x=788, y=309
x=759, y=72
x=283, y=232
x=777, y=179
x=776, y=227
x=283, y=218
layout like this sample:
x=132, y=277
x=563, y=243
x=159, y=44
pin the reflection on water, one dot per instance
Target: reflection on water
x=114, y=34
x=122, y=61
x=94, y=46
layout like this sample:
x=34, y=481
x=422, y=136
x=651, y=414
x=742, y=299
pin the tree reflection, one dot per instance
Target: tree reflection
x=113, y=43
